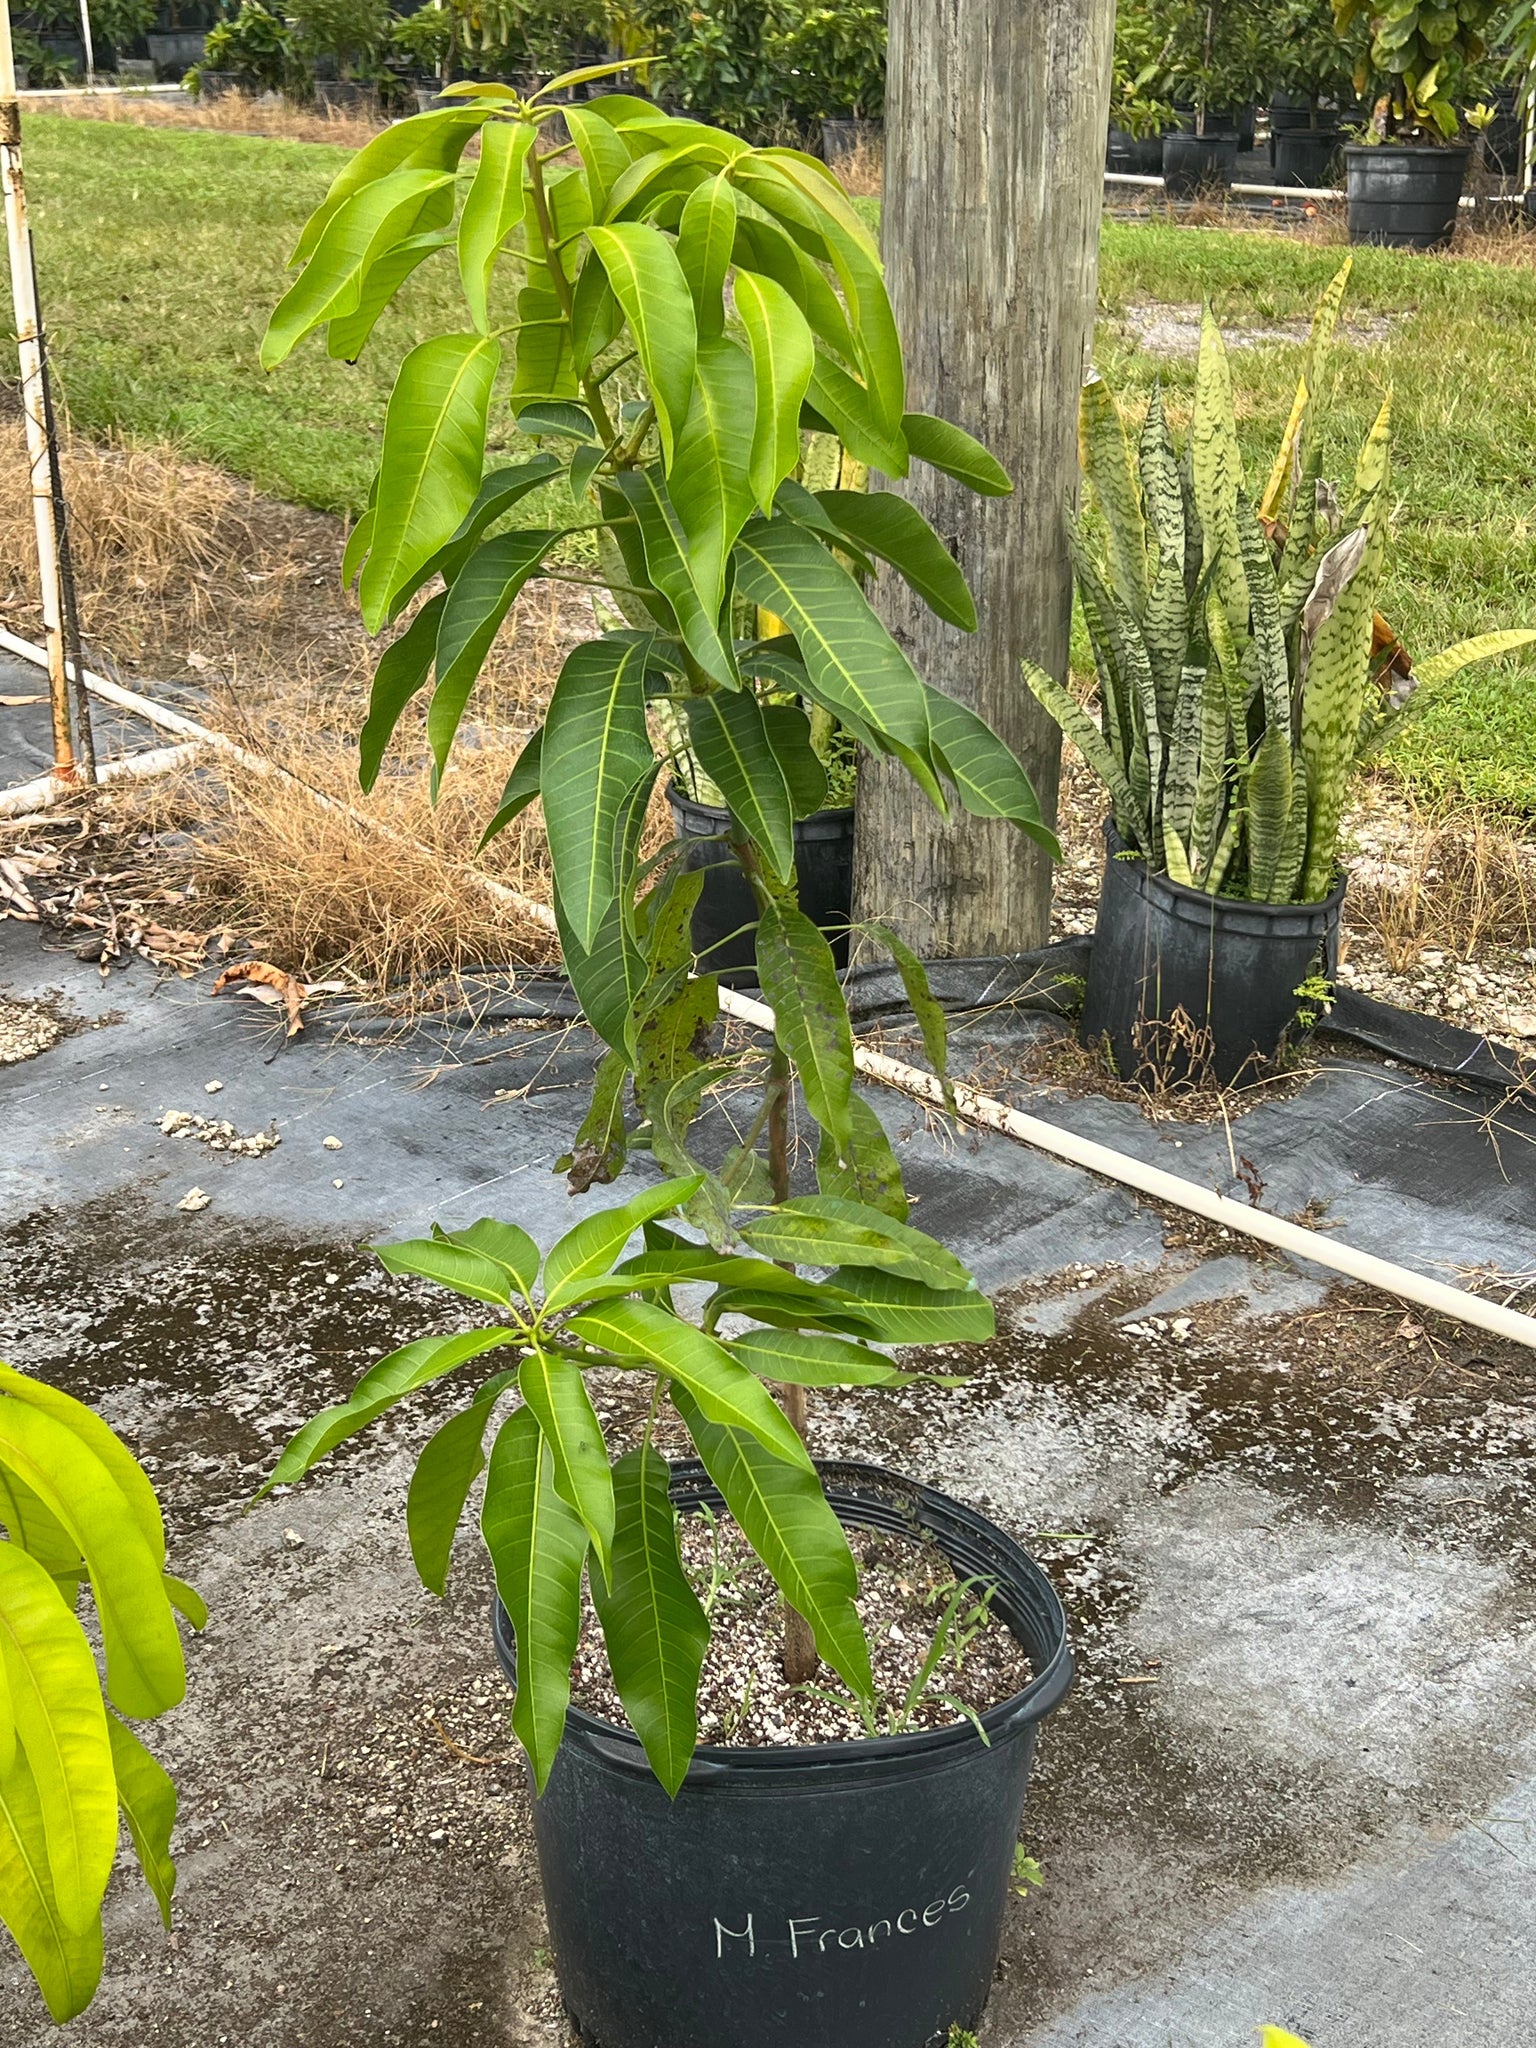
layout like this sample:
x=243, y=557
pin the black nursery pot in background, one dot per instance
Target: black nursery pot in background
x=1404, y=196
x=725, y=918
x=1181, y=983
x=1195, y=166
x=1308, y=156
x=849, y=1895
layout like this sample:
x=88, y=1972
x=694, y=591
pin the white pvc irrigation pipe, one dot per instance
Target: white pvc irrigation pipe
x=48, y=789
x=1297, y=191
x=976, y=1108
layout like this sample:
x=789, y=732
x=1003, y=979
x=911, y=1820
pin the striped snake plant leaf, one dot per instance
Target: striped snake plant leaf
x=1205, y=825
x=1294, y=848
x=1113, y=620
x=1336, y=634
x=1268, y=791
x=1165, y=617
x=1285, y=472
x=1183, y=771
x=1116, y=710
x=1130, y=811
x=1104, y=448
x=1175, y=859
x=1270, y=662
x=1216, y=471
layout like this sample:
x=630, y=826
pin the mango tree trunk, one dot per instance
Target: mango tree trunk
x=996, y=115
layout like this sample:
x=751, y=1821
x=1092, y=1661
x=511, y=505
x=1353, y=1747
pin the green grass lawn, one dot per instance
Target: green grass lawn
x=161, y=251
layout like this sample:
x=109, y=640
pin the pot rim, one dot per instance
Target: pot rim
x=1380, y=150
x=1032, y=1703
x=1184, y=893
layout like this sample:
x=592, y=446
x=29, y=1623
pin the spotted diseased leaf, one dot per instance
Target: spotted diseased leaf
x=871, y=1174
x=799, y=979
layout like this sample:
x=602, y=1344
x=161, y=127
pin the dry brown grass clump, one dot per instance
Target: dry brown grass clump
x=234, y=113
x=862, y=169
x=1444, y=878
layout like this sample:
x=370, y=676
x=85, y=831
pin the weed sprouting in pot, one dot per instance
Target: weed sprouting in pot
x=680, y=307
x=1028, y=1877
x=956, y=1628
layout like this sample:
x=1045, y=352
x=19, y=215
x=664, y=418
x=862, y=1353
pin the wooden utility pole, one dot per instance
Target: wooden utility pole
x=996, y=113
x=29, y=350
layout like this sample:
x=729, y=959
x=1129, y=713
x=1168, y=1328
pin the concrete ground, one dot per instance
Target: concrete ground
x=1297, y=1779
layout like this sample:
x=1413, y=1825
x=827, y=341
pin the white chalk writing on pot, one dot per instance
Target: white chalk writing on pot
x=813, y=1934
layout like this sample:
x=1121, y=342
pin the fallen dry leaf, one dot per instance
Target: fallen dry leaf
x=193, y=1200
x=263, y=976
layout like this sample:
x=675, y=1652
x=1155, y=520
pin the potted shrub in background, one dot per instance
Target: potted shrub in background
x=252, y=53
x=78, y=1512
x=846, y=1893
x=1217, y=63
x=1404, y=178
x=346, y=40
x=834, y=61
x=421, y=46
x=1314, y=90
x=1244, y=672
x=1138, y=115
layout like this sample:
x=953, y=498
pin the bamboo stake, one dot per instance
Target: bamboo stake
x=29, y=352
x=985, y=1110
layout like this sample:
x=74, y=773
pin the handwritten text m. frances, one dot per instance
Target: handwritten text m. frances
x=814, y=1935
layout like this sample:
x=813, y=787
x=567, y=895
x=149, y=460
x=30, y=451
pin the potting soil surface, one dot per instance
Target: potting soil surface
x=1296, y=1780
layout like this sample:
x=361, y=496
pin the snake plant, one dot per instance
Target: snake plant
x=1244, y=670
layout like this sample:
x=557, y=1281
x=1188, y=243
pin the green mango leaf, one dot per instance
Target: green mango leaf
x=705, y=238
x=670, y=568
x=799, y=1358
x=127, y=1474
x=66, y=1966
x=870, y=1174
x=799, y=979
x=988, y=780
x=601, y=149
x=902, y=1311
x=855, y=667
x=810, y=1306
x=466, y=1271
x=381, y=1388
x=711, y=481
x=882, y=524
x=956, y=453
x=596, y=748
x=789, y=735
x=359, y=540
x=434, y=452
x=538, y=1546
x=346, y=334
x=544, y=370
x=32, y=1526
x=60, y=1723
x=783, y=359
x=186, y=1600
x=449, y=1464
x=928, y=1011
x=729, y=736
x=145, y=1671
x=402, y=670
x=148, y=1800
x=590, y=1249
x=725, y=1391
x=497, y=495
x=493, y=207
x=596, y=315
x=609, y=976
x=506, y=1245
x=822, y=1230
x=562, y=421
x=654, y=1629
x=784, y=1515
x=843, y=404
x=365, y=227
x=479, y=599
x=648, y=282
x=553, y=1387
x=519, y=790
x=433, y=142
x=685, y=1263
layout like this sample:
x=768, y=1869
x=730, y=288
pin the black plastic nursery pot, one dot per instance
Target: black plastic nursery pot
x=1404, y=196
x=849, y=1895
x=725, y=917
x=849, y=133
x=1182, y=984
x=1195, y=166
x=1136, y=156
x=1307, y=156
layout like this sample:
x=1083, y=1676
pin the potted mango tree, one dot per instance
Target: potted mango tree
x=830, y=1869
x=1244, y=672
x=1404, y=177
